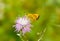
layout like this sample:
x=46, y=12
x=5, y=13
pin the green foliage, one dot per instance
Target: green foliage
x=49, y=11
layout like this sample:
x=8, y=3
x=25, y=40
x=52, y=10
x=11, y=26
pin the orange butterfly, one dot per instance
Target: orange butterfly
x=33, y=16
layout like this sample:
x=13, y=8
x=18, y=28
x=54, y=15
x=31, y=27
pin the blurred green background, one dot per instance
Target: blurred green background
x=49, y=11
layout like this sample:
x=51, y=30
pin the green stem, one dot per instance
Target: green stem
x=21, y=36
x=42, y=34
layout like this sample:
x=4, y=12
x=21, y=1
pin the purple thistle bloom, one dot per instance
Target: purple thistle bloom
x=23, y=24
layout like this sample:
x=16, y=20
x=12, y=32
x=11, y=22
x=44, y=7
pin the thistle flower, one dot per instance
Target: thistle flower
x=23, y=24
